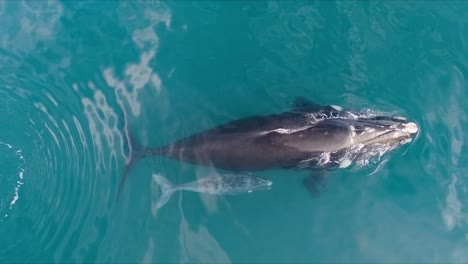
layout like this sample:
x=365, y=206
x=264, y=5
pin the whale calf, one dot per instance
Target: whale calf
x=308, y=137
x=216, y=184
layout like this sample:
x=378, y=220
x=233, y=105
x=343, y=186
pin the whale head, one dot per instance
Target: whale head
x=383, y=130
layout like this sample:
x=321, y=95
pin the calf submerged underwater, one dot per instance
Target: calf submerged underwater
x=216, y=184
x=308, y=137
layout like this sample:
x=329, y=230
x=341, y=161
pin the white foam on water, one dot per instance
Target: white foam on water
x=305, y=163
x=6, y=144
x=364, y=155
x=324, y=158
x=20, y=181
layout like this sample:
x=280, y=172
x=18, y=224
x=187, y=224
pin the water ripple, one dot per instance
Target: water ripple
x=14, y=177
x=66, y=145
x=46, y=191
x=57, y=160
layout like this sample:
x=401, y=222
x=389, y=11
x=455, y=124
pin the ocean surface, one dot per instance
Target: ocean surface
x=76, y=77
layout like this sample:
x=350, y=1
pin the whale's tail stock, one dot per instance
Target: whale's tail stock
x=136, y=152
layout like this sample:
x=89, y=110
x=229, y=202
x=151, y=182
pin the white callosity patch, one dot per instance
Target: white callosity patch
x=360, y=154
x=316, y=117
x=396, y=134
x=289, y=130
x=410, y=127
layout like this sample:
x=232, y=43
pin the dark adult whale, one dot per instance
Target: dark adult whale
x=310, y=136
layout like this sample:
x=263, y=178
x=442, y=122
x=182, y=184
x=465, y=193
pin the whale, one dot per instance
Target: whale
x=214, y=184
x=309, y=136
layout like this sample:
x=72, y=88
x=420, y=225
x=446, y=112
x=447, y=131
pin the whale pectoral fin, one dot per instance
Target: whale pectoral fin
x=315, y=182
x=303, y=105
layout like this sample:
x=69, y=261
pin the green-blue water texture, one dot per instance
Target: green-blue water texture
x=76, y=77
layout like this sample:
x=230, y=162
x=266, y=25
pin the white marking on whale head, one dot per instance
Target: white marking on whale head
x=396, y=135
x=410, y=127
x=289, y=130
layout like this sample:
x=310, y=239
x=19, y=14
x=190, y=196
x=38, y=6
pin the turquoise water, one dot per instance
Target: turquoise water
x=75, y=76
